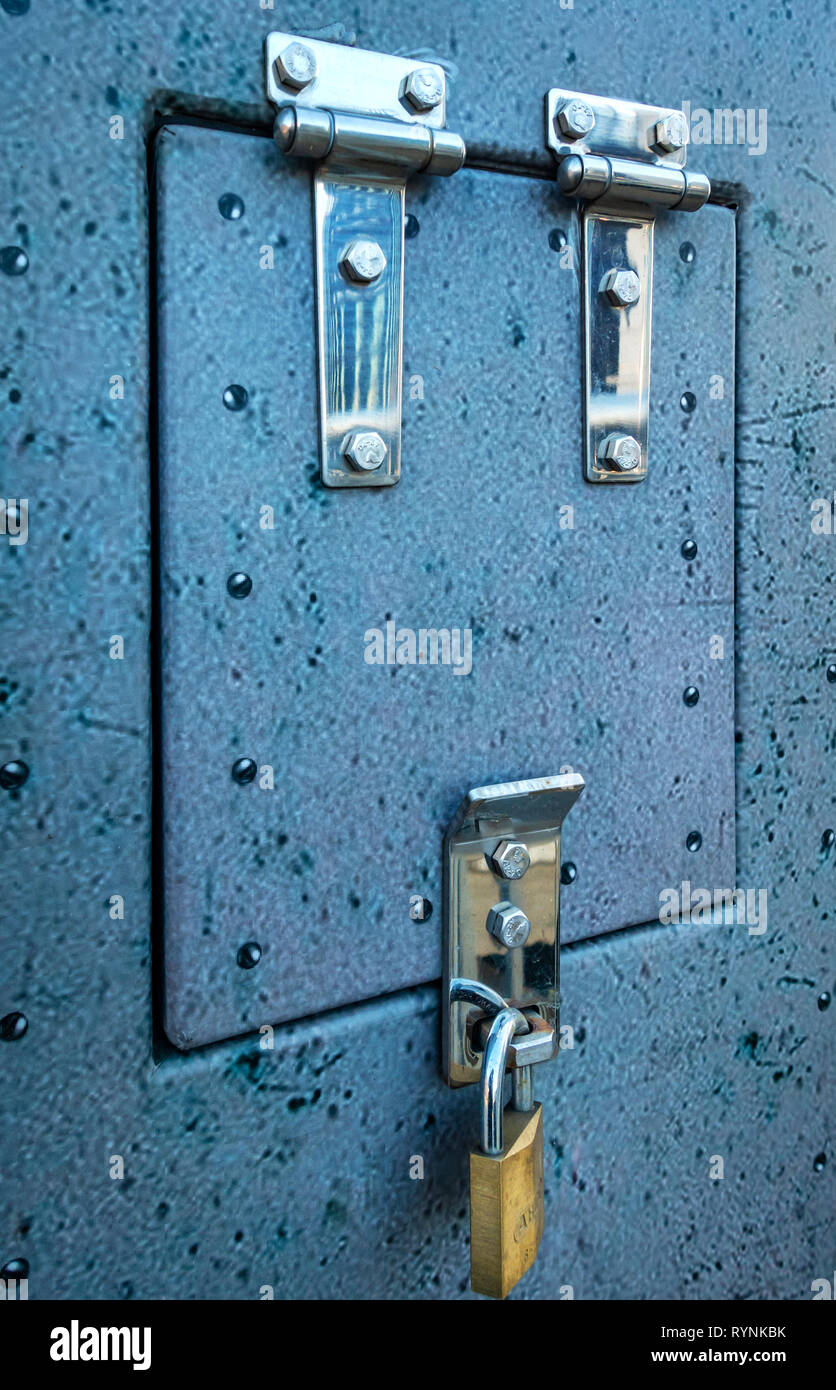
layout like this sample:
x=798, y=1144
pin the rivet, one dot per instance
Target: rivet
x=19, y=1267
x=691, y=696
x=694, y=841
x=818, y=1162
x=688, y=402
x=688, y=253
x=688, y=550
x=411, y=226
x=557, y=239
x=249, y=955
x=236, y=397
x=823, y=1001
x=831, y=673
x=13, y=1026
x=13, y=260
x=231, y=206
x=243, y=771
x=239, y=585
x=568, y=872
x=828, y=839
x=13, y=774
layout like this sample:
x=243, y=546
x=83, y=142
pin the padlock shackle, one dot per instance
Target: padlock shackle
x=494, y=1059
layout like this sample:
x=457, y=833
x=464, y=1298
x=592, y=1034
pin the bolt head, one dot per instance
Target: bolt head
x=622, y=287
x=508, y=925
x=510, y=859
x=671, y=133
x=365, y=450
x=363, y=261
x=621, y=452
x=575, y=118
x=295, y=66
x=423, y=89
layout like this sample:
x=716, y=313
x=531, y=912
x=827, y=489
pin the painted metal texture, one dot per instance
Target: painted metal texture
x=250, y=1170
x=587, y=623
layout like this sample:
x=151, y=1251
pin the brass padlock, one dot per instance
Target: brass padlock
x=506, y=1174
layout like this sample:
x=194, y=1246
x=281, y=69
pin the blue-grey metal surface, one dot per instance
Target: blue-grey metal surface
x=580, y=649
x=245, y=1169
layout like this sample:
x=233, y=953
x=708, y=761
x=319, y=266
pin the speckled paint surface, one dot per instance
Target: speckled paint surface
x=289, y=1167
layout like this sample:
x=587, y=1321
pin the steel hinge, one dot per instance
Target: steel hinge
x=369, y=120
x=626, y=162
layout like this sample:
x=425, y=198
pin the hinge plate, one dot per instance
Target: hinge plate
x=622, y=128
x=527, y=976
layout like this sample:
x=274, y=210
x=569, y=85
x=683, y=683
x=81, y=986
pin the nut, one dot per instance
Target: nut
x=423, y=89
x=363, y=261
x=622, y=287
x=575, y=118
x=671, y=133
x=295, y=66
x=510, y=859
x=365, y=450
x=621, y=451
x=508, y=925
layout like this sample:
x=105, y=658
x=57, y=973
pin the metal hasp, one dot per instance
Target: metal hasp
x=502, y=920
x=626, y=161
x=369, y=120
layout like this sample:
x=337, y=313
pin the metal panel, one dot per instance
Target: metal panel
x=587, y=623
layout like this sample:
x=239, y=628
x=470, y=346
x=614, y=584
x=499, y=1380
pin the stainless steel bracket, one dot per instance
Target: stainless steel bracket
x=502, y=918
x=626, y=162
x=369, y=121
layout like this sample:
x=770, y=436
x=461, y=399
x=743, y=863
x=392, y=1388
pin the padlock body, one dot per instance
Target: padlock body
x=506, y=1205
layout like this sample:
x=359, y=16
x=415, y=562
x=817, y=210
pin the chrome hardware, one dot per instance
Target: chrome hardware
x=503, y=1027
x=510, y=860
x=480, y=970
x=627, y=165
x=508, y=925
x=369, y=120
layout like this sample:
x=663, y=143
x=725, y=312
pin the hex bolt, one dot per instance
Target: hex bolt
x=365, y=450
x=363, y=261
x=295, y=66
x=423, y=89
x=621, y=452
x=671, y=133
x=622, y=287
x=508, y=925
x=510, y=859
x=575, y=118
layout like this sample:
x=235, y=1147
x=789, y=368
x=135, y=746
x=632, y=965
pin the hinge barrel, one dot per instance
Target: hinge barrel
x=358, y=142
